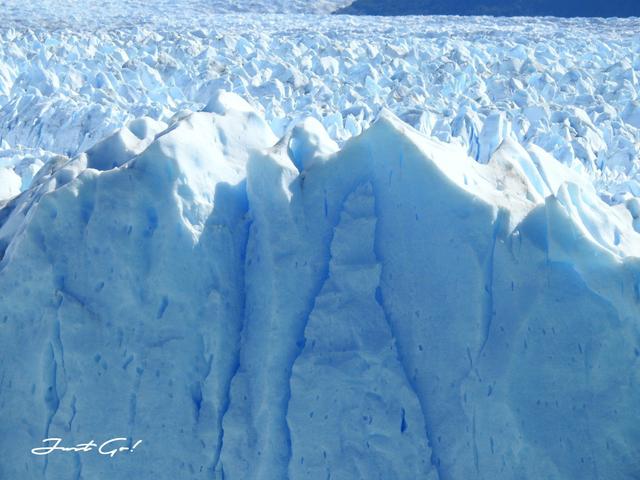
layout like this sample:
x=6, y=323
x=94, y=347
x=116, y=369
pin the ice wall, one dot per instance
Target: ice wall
x=259, y=308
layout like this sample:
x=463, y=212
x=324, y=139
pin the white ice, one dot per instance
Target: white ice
x=567, y=86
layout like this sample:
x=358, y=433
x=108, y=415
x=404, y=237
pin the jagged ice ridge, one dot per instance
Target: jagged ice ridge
x=567, y=86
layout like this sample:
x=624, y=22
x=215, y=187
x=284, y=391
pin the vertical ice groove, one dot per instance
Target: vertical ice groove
x=73, y=413
x=59, y=351
x=51, y=399
x=223, y=412
x=51, y=396
x=255, y=437
x=321, y=279
x=57, y=374
x=274, y=436
x=476, y=459
x=488, y=304
x=429, y=434
x=198, y=393
x=347, y=328
x=133, y=400
x=240, y=287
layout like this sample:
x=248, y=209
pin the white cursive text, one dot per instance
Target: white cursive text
x=110, y=447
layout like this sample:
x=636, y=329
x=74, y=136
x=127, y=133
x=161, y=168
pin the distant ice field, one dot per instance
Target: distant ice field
x=70, y=76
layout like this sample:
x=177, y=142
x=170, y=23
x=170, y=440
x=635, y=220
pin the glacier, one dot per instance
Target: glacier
x=259, y=306
x=250, y=240
x=70, y=76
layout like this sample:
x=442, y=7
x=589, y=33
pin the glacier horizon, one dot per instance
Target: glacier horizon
x=568, y=86
x=270, y=307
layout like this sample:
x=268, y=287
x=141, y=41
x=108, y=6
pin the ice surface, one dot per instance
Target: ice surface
x=71, y=76
x=390, y=309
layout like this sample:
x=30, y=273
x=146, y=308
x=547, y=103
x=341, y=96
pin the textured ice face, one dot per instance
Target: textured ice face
x=567, y=86
x=393, y=309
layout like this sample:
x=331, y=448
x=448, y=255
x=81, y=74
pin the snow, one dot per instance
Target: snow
x=305, y=246
x=255, y=307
